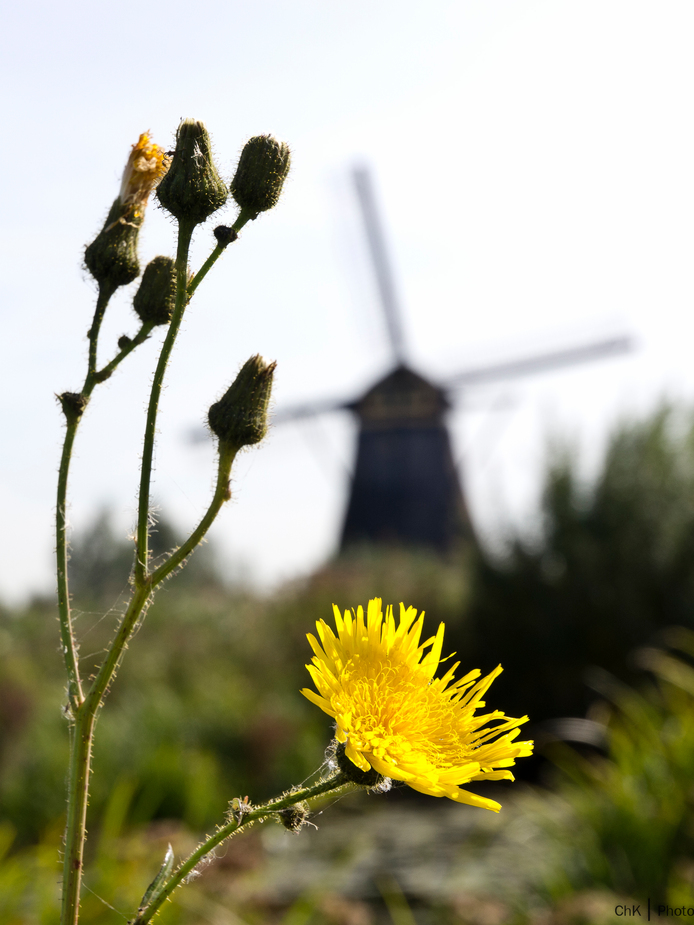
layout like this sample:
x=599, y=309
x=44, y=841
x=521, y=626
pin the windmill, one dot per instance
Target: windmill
x=405, y=487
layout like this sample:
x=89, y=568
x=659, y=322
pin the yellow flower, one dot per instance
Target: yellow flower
x=393, y=716
x=146, y=166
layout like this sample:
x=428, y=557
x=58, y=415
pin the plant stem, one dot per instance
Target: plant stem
x=103, y=374
x=85, y=709
x=259, y=813
x=86, y=715
x=222, y=493
x=75, y=695
x=243, y=217
x=67, y=638
x=80, y=760
x=185, y=233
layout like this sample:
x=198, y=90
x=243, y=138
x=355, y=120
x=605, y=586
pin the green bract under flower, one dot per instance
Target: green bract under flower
x=377, y=681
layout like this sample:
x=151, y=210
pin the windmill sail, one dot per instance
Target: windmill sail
x=381, y=264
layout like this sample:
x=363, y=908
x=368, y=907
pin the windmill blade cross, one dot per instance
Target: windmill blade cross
x=379, y=256
x=308, y=410
x=555, y=359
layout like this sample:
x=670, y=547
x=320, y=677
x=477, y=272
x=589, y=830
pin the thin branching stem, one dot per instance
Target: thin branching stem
x=103, y=374
x=185, y=233
x=93, y=377
x=82, y=727
x=222, y=493
x=243, y=217
x=239, y=821
x=67, y=638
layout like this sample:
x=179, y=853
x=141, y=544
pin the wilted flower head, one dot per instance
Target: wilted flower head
x=112, y=258
x=393, y=716
x=146, y=166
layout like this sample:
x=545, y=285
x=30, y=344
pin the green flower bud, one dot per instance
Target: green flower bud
x=294, y=818
x=192, y=189
x=263, y=167
x=239, y=418
x=225, y=235
x=111, y=258
x=156, y=297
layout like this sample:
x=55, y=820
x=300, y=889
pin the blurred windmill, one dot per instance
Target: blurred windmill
x=405, y=488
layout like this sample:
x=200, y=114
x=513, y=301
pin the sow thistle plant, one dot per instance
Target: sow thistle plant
x=395, y=720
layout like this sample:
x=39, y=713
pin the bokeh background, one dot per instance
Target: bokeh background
x=533, y=169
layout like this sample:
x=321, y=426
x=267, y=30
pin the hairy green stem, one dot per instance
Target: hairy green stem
x=87, y=713
x=238, y=821
x=84, y=710
x=75, y=696
x=104, y=297
x=244, y=216
x=222, y=493
x=67, y=638
x=80, y=758
x=83, y=721
x=185, y=233
x=103, y=374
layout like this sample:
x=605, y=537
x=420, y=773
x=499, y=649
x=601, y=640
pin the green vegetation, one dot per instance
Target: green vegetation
x=191, y=721
x=632, y=813
x=613, y=567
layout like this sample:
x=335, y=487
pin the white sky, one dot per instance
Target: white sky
x=534, y=163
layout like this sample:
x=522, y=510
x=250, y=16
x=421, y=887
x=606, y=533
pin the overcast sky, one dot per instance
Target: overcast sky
x=533, y=161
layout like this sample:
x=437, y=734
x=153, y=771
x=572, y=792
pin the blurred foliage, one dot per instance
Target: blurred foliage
x=630, y=822
x=207, y=703
x=613, y=566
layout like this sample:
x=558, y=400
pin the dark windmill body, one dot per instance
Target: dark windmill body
x=405, y=487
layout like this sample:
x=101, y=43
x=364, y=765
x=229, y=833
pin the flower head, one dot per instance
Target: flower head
x=112, y=258
x=377, y=681
x=146, y=166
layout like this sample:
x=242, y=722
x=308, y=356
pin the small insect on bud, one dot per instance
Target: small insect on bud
x=239, y=418
x=112, y=257
x=124, y=342
x=155, y=299
x=73, y=405
x=192, y=189
x=262, y=170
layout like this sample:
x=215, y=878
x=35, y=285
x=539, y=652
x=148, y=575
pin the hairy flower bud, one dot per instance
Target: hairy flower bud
x=112, y=257
x=239, y=418
x=262, y=170
x=156, y=297
x=192, y=189
x=294, y=818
